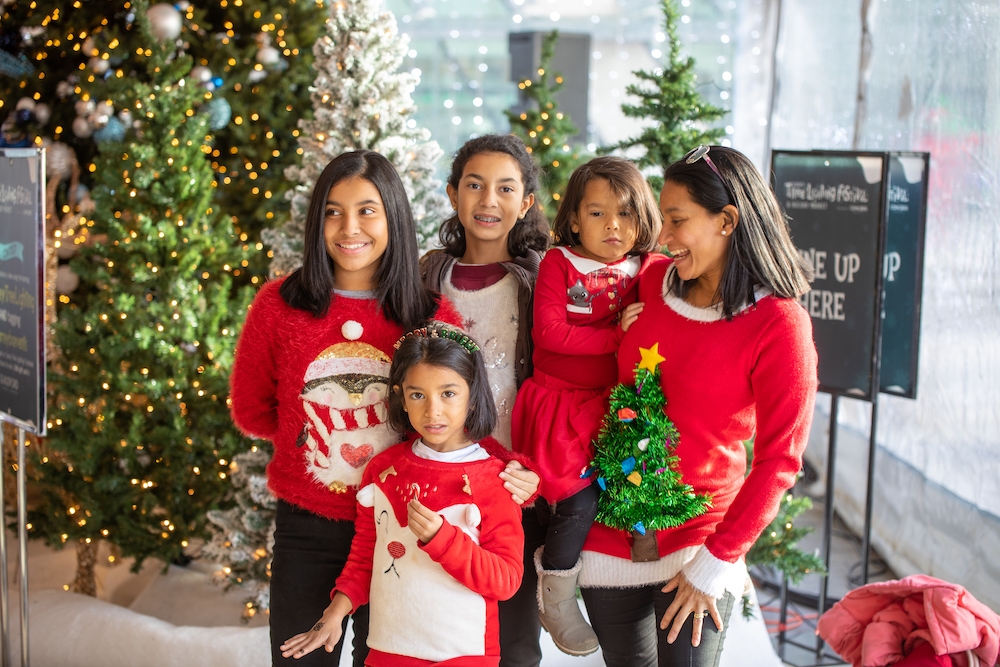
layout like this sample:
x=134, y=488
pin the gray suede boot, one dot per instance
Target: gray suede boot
x=559, y=611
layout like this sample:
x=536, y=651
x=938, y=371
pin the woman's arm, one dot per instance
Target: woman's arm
x=552, y=330
x=253, y=387
x=784, y=382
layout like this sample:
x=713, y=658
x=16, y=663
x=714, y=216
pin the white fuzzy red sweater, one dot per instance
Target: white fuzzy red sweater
x=317, y=388
x=724, y=381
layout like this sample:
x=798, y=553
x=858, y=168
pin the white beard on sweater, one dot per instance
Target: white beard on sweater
x=418, y=609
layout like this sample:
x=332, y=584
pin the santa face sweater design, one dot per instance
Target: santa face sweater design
x=725, y=382
x=435, y=602
x=317, y=387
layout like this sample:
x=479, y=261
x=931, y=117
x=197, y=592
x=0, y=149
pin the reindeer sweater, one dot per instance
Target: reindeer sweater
x=434, y=603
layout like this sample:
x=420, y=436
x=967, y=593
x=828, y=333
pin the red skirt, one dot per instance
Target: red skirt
x=554, y=423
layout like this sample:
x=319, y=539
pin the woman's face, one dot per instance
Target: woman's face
x=697, y=238
x=356, y=233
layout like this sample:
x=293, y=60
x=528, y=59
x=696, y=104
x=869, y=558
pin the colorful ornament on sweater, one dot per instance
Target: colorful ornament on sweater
x=636, y=467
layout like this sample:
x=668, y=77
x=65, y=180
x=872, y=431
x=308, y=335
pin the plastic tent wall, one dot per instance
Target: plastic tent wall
x=907, y=75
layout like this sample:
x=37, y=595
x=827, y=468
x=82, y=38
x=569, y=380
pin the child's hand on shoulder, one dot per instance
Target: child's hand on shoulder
x=424, y=523
x=631, y=314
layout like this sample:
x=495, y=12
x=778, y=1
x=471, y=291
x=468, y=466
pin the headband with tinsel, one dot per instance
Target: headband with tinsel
x=459, y=337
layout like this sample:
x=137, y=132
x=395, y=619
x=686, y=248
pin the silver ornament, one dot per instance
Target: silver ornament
x=82, y=128
x=66, y=280
x=165, y=21
x=59, y=160
x=25, y=103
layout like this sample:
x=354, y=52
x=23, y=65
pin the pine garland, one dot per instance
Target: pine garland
x=636, y=464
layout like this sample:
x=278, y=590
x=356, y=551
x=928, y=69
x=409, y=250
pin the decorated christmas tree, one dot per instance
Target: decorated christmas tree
x=243, y=536
x=546, y=131
x=668, y=97
x=140, y=435
x=361, y=101
x=635, y=462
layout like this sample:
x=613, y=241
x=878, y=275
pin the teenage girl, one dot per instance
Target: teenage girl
x=436, y=536
x=311, y=375
x=585, y=300
x=491, y=250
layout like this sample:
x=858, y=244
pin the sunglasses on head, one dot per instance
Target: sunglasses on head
x=701, y=153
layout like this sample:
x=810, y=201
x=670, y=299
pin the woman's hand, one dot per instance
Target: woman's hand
x=326, y=632
x=521, y=482
x=424, y=523
x=688, y=600
x=631, y=314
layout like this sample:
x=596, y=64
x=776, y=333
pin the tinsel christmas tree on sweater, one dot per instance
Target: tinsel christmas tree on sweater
x=361, y=101
x=140, y=436
x=634, y=459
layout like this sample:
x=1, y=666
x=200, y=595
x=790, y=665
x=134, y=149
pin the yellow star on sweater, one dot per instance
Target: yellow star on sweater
x=651, y=357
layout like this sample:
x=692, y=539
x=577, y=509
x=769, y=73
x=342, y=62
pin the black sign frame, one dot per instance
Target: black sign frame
x=30, y=413
x=874, y=338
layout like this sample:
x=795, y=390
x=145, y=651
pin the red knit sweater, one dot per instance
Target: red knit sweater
x=434, y=603
x=724, y=382
x=317, y=388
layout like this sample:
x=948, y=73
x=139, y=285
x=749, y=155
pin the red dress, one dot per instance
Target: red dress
x=576, y=337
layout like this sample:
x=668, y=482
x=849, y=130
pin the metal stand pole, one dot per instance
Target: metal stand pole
x=831, y=470
x=4, y=607
x=22, y=538
x=869, y=494
x=783, y=617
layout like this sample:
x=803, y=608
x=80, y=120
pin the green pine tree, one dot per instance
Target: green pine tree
x=546, y=131
x=634, y=459
x=140, y=435
x=669, y=98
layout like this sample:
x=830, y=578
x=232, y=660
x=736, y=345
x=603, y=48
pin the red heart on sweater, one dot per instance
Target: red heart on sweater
x=356, y=456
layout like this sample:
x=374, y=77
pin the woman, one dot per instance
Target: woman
x=737, y=358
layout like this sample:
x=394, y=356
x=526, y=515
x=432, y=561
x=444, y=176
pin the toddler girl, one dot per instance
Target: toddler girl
x=584, y=302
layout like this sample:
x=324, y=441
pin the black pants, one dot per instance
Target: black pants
x=627, y=623
x=519, y=624
x=309, y=553
x=568, y=522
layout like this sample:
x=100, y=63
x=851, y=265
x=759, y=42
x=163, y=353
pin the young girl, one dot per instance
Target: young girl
x=437, y=541
x=311, y=375
x=584, y=302
x=487, y=268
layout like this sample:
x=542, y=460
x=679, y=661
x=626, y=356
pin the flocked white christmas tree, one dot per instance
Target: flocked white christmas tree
x=361, y=100
x=243, y=536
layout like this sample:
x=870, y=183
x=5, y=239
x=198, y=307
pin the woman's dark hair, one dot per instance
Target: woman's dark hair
x=444, y=353
x=761, y=251
x=398, y=289
x=529, y=233
x=628, y=185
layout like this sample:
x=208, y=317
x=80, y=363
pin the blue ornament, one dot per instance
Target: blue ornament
x=219, y=112
x=601, y=483
x=628, y=465
x=586, y=473
x=112, y=132
x=217, y=82
x=639, y=528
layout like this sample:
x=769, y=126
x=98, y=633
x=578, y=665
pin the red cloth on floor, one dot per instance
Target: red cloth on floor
x=882, y=623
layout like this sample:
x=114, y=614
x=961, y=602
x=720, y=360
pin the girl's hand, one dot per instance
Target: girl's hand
x=688, y=600
x=521, y=482
x=326, y=632
x=631, y=314
x=424, y=523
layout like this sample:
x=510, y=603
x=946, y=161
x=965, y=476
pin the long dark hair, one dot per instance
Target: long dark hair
x=444, y=353
x=398, y=289
x=529, y=233
x=632, y=190
x=761, y=251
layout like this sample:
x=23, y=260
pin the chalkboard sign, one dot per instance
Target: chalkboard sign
x=22, y=306
x=835, y=203
x=902, y=272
